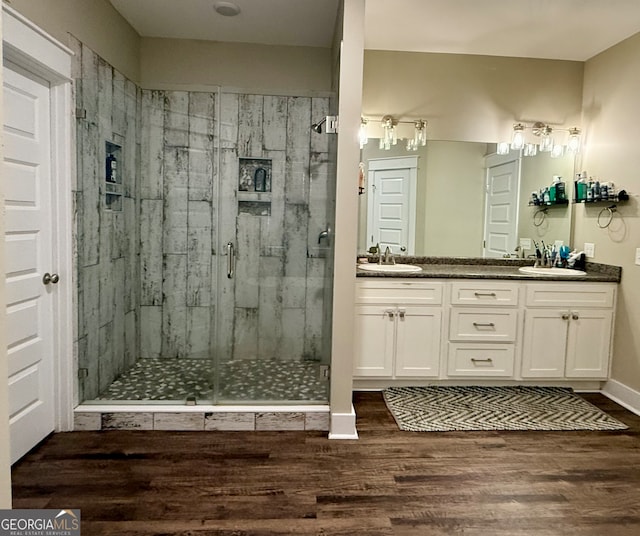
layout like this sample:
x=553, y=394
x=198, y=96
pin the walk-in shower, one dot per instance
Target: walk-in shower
x=200, y=275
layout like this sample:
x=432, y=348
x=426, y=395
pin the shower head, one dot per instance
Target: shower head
x=317, y=127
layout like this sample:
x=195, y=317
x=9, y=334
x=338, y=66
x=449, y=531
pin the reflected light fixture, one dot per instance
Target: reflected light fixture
x=557, y=151
x=503, y=147
x=530, y=149
x=546, y=141
x=390, y=136
x=517, y=140
x=363, y=138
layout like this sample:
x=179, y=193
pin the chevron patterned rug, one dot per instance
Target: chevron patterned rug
x=446, y=409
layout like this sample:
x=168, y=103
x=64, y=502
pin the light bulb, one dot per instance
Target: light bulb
x=573, y=145
x=557, y=151
x=530, y=149
x=517, y=141
x=362, y=133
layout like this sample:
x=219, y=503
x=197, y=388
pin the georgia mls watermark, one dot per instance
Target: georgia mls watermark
x=39, y=522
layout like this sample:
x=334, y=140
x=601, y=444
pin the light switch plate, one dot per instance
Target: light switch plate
x=525, y=243
x=638, y=256
x=589, y=250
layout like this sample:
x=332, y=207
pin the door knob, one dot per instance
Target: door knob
x=50, y=278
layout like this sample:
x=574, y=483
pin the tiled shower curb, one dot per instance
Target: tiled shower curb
x=204, y=418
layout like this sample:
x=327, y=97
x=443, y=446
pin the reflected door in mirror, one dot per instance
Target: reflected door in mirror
x=391, y=204
x=501, y=213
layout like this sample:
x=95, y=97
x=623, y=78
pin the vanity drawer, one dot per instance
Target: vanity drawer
x=483, y=325
x=570, y=295
x=477, y=360
x=408, y=292
x=485, y=294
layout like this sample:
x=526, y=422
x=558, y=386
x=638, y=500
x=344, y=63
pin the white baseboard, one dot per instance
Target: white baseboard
x=625, y=396
x=343, y=425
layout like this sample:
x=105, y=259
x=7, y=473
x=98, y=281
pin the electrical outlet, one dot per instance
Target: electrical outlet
x=525, y=243
x=638, y=256
x=589, y=250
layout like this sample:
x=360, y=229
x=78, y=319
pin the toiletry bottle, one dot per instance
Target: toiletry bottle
x=604, y=191
x=596, y=191
x=560, y=190
x=111, y=168
x=590, y=191
x=552, y=193
x=546, y=196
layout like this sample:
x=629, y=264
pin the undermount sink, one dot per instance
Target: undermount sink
x=551, y=271
x=390, y=268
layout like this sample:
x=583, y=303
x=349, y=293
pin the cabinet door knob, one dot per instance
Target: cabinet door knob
x=565, y=316
x=575, y=316
x=390, y=313
x=401, y=313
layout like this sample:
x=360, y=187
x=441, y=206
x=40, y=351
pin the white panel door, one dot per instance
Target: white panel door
x=26, y=180
x=391, y=210
x=391, y=204
x=501, y=210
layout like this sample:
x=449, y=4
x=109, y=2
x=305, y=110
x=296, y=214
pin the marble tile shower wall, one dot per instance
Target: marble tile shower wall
x=147, y=280
x=105, y=241
x=273, y=307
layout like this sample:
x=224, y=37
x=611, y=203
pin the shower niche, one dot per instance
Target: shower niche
x=254, y=186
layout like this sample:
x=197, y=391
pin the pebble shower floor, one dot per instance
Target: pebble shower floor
x=242, y=380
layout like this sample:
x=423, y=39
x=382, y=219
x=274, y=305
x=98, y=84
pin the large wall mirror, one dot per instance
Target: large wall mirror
x=455, y=195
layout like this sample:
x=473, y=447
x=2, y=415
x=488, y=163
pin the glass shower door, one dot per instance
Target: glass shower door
x=274, y=261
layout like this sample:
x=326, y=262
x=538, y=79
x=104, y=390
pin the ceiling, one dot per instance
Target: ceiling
x=550, y=29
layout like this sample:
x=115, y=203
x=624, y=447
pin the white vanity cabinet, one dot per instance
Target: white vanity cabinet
x=483, y=322
x=487, y=330
x=397, y=329
x=567, y=330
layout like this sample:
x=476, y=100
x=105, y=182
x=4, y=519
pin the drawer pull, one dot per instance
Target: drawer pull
x=484, y=324
x=485, y=360
x=481, y=294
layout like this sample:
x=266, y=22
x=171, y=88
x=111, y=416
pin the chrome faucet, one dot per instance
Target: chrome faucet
x=388, y=257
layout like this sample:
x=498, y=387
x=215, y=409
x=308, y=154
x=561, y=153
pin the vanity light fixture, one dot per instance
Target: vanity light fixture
x=362, y=133
x=546, y=141
x=557, y=151
x=573, y=145
x=389, y=137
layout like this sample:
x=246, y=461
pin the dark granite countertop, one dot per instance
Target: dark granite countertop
x=479, y=268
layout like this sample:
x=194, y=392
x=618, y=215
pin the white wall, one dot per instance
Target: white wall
x=612, y=122
x=5, y=466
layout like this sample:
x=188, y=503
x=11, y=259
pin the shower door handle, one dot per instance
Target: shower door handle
x=231, y=259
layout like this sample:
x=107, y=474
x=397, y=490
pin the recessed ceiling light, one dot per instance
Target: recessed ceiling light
x=228, y=9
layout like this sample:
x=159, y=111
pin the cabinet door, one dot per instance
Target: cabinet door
x=374, y=341
x=418, y=341
x=545, y=343
x=589, y=343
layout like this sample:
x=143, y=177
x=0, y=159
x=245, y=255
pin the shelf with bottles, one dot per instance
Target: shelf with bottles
x=622, y=195
x=555, y=203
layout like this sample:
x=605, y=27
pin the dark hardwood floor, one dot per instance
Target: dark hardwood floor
x=301, y=483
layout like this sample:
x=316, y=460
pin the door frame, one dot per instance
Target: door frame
x=395, y=162
x=27, y=46
x=494, y=160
